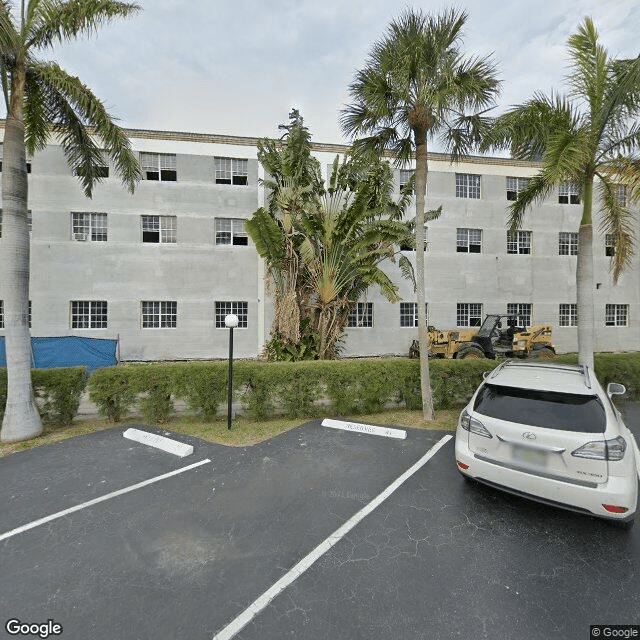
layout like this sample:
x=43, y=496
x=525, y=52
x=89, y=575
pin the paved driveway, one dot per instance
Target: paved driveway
x=182, y=547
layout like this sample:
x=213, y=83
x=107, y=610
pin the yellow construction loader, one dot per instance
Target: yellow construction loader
x=498, y=336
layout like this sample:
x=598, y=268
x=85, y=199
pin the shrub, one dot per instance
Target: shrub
x=58, y=393
x=112, y=392
x=203, y=385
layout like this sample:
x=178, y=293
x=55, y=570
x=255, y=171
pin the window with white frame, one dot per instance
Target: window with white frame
x=158, y=166
x=616, y=315
x=2, y=314
x=232, y=171
x=159, y=229
x=240, y=309
x=522, y=311
x=409, y=314
x=159, y=314
x=88, y=314
x=86, y=226
x=29, y=221
x=567, y=243
x=469, y=314
x=467, y=185
x=469, y=240
x=519, y=242
x=568, y=315
x=405, y=177
x=609, y=245
x=231, y=231
x=361, y=316
x=515, y=186
x=568, y=193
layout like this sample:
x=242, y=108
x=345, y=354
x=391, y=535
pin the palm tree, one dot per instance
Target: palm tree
x=42, y=99
x=417, y=87
x=593, y=132
x=324, y=247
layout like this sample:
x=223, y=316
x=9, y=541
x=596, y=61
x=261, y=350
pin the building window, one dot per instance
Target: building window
x=567, y=243
x=159, y=314
x=88, y=314
x=361, y=316
x=159, y=229
x=615, y=315
x=469, y=240
x=240, y=309
x=620, y=194
x=469, y=314
x=522, y=311
x=231, y=171
x=231, y=231
x=409, y=314
x=568, y=194
x=609, y=245
x=515, y=186
x=405, y=177
x=467, y=185
x=519, y=242
x=158, y=166
x=568, y=315
x=89, y=226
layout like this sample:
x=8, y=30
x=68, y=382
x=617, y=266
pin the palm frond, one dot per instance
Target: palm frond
x=267, y=236
x=618, y=221
x=55, y=20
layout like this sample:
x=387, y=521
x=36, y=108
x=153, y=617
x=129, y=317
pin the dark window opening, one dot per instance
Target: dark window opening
x=168, y=175
x=152, y=175
x=223, y=180
x=512, y=195
x=151, y=236
x=239, y=180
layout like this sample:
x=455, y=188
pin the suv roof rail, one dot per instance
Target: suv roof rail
x=582, y=369
x=585, y=372
x=499, y=368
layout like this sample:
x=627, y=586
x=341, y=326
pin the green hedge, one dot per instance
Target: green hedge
x=295, y=389
x=266, y=389
x=57, y=392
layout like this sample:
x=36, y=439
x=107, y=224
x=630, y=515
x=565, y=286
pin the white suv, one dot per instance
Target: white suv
x=550, y=432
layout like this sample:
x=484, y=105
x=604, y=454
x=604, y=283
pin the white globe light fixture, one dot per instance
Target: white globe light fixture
x=231, y=321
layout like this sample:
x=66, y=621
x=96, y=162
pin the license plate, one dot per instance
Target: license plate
x=530, y=456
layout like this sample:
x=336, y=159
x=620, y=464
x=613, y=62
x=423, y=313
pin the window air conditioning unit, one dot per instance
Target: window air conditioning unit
x=81, y=237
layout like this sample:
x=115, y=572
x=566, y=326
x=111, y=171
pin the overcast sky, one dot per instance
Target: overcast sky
x=238, y=66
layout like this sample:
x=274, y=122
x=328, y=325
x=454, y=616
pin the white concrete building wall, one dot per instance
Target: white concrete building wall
x=195, y=272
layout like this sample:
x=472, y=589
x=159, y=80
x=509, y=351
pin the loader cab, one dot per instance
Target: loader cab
x=495, y=335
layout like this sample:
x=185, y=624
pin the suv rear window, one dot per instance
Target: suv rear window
x=549, y=409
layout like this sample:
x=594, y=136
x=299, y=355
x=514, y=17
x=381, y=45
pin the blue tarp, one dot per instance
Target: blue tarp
x=69, y=351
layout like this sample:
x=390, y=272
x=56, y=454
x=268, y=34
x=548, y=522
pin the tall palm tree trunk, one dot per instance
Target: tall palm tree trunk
x=584, y=280
x=428, y=412
x=21, y=419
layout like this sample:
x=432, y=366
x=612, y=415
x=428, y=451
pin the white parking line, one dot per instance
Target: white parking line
x=258, y=605
x=108, y=496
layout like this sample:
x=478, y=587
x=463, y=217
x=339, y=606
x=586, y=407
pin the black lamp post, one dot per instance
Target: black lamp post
x=230, y=321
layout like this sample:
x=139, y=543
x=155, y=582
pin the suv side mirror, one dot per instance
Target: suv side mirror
x=485, y=374
x=615, y=389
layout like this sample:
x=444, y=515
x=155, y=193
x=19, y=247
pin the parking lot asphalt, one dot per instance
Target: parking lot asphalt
x=186, y=554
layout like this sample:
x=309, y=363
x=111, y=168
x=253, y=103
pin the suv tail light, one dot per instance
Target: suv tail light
x=602, y=449
x=472, y=425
